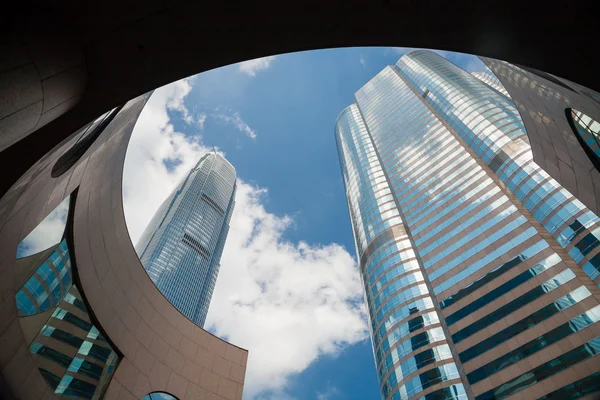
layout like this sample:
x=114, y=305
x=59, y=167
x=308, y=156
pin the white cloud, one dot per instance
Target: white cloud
x=201, y=120
x=238, y=122
x=362, y=61
x=287, y=303
x=146, y=179
x=251, y=67
x=48, y=233
x=175, y=102
x=330, y=393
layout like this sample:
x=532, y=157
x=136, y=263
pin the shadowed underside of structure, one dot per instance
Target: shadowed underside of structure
x=85, y=58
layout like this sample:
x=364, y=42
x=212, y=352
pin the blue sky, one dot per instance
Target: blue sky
x=292, y=106
x=295, y=300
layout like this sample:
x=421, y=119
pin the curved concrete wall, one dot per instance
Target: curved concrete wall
x=555, y=147
x=163, y=350
x=39, y=81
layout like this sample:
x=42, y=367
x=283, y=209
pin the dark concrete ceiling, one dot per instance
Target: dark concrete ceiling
x=134, y=46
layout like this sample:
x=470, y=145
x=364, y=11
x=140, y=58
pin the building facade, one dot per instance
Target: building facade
x=73, y=357
x=182, y=245
x=490, y=79
x=82, y=319
x=561, y=118
x=478, y=267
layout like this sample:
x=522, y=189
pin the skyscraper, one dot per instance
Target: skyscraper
x=79, y=316
x=561, y=118
x=490, y=79
x=182, y=245
x=477, y=265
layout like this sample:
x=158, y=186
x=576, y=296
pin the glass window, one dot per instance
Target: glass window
x=425, y=380
x=34, y=289
x=99, y=352
x=159, y=396
x=454, y=392
x=61, y=335
x=51, y=379
x=530, y=252
x=587, y=131
x=85, y=368
x=562, y=331
x=584, y=246
x=501, y=290
x=50, y=354
x=583, y=387
x=72, y=318
x=592, y=267
x=24, y=304
x=543, y=371
x=514, y=305
x=86, y=372
x=70, y=386
x=533, y=319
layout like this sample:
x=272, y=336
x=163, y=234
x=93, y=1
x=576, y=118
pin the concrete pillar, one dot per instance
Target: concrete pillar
x=40, y=79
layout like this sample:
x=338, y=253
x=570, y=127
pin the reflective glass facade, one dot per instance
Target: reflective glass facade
x=182, y=245
x=48, y=285
x=490, y=79
x=73, y=357
x=466, y=246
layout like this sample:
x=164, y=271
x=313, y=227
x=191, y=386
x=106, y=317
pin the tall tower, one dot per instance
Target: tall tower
x=182, y=245
x=490, y=79
x=477, y=266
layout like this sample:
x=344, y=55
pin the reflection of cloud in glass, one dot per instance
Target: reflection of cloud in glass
x=159, y=396
x=48, y=233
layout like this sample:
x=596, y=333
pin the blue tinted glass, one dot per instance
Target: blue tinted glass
x=503, y=289
x=513, y=330
x=519, y=302
x=574, y=325
x=90, y=360
x=583, y=387
x=35, y=288
x=454, y=392
x=24, y=304
x=58, y=286
x=543, y=371
x=425, y=380
x=418, y=361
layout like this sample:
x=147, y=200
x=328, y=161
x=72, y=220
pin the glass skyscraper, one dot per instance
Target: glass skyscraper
x=70, y=352
x=490, y=79
x=182, y=245
x=477, y=266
